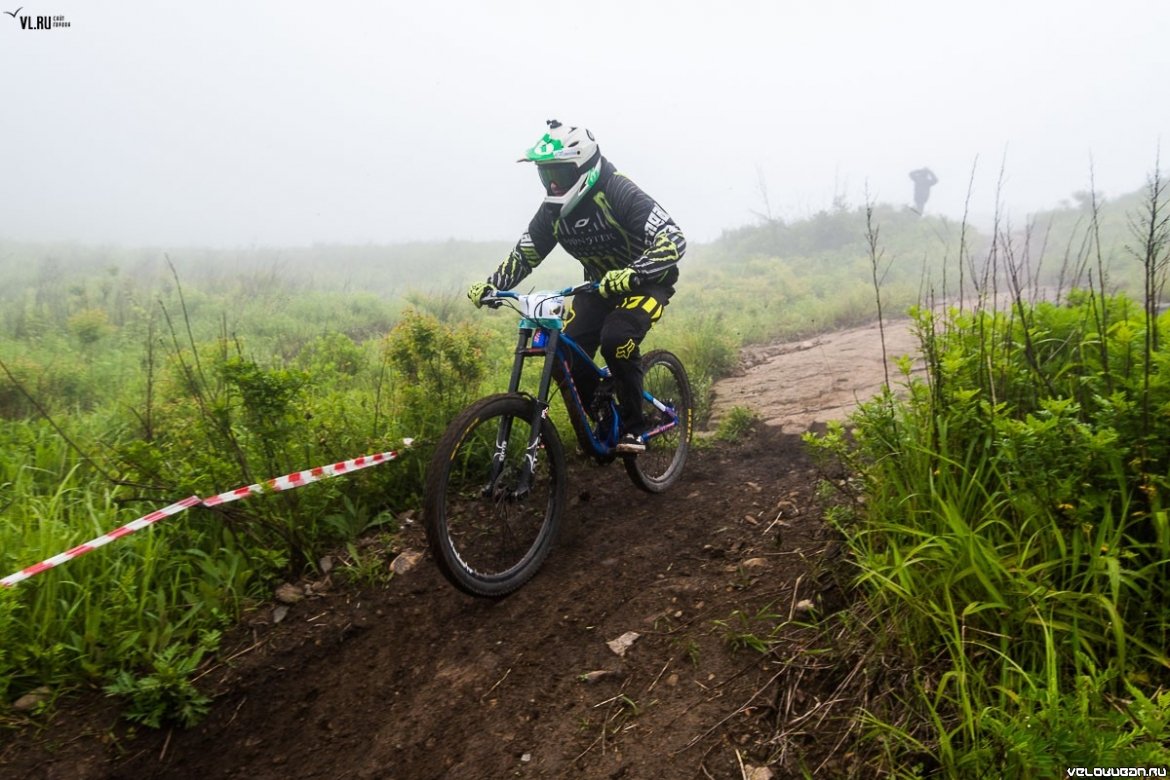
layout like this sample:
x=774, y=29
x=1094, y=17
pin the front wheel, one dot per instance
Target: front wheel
x=661, y=464
x=492, y=508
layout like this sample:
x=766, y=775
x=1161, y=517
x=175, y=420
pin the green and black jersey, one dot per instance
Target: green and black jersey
x=616, y=225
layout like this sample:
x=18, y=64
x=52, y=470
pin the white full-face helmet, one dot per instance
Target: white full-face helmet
x=568, y=160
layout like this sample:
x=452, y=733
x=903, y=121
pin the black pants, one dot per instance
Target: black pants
x=617, y=326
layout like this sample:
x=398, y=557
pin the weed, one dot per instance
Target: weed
x=167, y=694
x=744, y=631
x=736, y=424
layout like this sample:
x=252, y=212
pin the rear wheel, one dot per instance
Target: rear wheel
x=662, y=463
x=488, y=529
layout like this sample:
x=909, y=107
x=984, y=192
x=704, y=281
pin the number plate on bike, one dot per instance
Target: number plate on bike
x=543, y=306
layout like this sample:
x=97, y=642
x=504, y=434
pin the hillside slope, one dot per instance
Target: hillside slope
x=413, y=680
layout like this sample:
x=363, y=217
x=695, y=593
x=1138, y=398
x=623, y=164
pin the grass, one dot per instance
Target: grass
x=1013, y=535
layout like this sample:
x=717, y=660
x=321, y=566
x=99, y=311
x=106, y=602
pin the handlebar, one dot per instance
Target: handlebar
x=536, y=306
x=497, y=294
x=494, y=299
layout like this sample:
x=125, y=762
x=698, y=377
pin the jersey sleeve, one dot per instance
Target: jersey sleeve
x=664, y=241
x=528, y=253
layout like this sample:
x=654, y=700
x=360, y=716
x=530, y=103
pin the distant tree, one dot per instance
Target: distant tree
x=1084, y=199
x=923, y=179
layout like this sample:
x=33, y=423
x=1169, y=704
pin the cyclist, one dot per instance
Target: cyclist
x=626, y=242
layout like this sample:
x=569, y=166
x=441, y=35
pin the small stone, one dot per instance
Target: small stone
x=623, y=642
x=279, y=613
x=289, y=594
x=326, y=564
x=757, y=772
x=33, y=699
x=755, y=563
x=406, y=560
x=805, y=605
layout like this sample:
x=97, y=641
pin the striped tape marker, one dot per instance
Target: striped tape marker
x=104, y=539
x=290, y=481
x=287, y=482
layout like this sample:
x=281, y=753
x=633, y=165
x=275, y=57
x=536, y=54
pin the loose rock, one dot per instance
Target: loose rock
x=623, y=642
x=33, y=699
x=288, y=593
x=406, y=560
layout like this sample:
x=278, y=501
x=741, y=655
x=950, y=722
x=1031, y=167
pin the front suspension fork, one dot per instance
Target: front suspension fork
x=539, y=414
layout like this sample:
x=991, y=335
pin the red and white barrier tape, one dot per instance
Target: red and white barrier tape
x=287, y=482
x=290, y=481
x=104, y=539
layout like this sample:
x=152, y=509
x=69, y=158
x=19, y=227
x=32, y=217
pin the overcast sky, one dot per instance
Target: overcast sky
x=278, y=124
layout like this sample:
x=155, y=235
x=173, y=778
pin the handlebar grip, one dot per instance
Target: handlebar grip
x=494, y=299
x=582, y=288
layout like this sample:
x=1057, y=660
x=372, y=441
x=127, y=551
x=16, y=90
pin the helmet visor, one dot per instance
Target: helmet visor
x=558, y=178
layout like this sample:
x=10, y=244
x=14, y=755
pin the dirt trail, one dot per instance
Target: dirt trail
x=410, y=679
x=797, y=385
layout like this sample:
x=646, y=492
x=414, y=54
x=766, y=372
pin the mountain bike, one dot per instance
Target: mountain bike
x=496, y=485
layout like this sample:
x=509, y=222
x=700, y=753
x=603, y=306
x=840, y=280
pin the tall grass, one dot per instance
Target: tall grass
x=208, y=416
x=1015, y=537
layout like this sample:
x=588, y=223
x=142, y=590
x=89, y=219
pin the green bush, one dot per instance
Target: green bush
x=438, y=369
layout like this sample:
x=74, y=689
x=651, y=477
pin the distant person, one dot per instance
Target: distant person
x=923, y=179
x=622, y=237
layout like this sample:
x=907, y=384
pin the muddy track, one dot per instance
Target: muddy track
x=410, y=679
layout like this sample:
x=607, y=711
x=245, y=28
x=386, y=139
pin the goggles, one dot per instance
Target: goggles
x=563, y=174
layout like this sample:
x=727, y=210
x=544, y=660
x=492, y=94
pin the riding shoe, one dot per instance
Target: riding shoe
x=630, y=444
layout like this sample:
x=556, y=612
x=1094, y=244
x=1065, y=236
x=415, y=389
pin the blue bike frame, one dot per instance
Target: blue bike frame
x=545, y=336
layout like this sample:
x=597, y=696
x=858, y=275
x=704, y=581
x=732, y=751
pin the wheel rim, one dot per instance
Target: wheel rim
x=664, y=452
x=492, y=531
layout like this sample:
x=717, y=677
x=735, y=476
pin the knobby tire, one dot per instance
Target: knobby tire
x=661, y=465
x=486, y=539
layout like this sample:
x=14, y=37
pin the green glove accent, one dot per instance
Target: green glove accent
x=616, y=282
x=476, y=292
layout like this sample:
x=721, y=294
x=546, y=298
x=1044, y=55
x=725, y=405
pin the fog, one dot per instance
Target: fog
x=245, y=124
